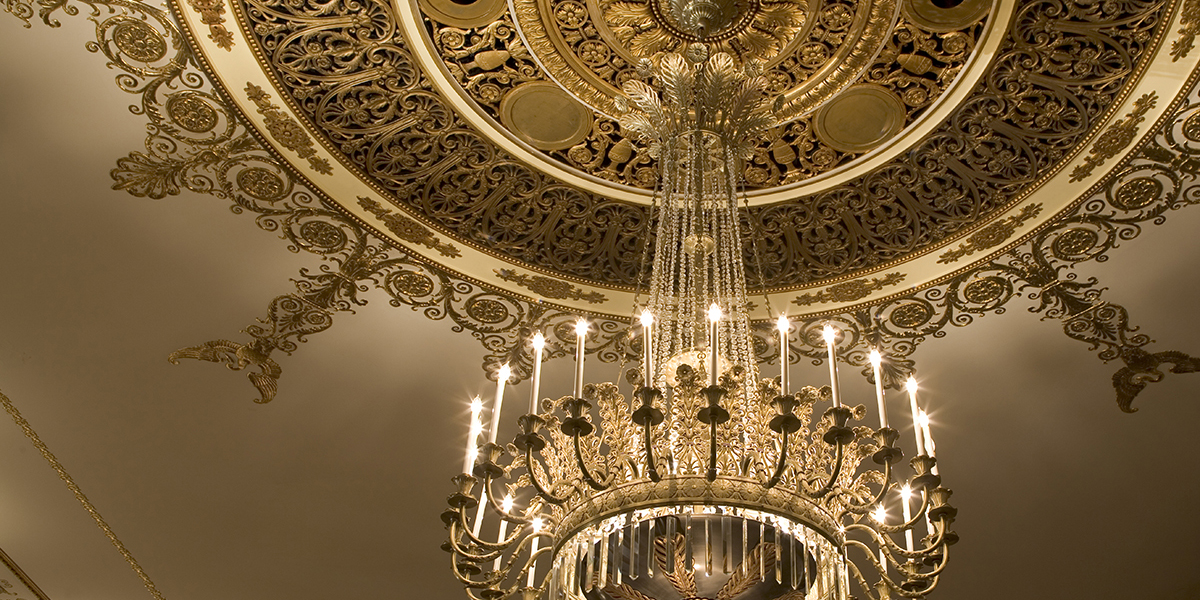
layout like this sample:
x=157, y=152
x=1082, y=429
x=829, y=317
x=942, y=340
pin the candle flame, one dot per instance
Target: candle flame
x=912, y=384
x=507, y=504
x=647, y=318
x=879, y=515
x=782, y=324
x=924, y=420
x=581, y=327
x=476, y=405
x=505, y=373
x=714, y=313
x=906, y=491
x=539, y=341
x=829, y=333
x=876, y=358
x=537, y=524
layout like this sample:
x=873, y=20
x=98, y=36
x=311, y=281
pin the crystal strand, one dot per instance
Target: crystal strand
x=745, y=562
x=586, y=582
x=670, y=545
x=795, y=572
x=650, y=548
x=634, y=545
x=603, y=560
x=778, y=552
x=762, y=553
x=804, y=557
x=708, y=550
x=689, y=561
x=617, y=558
x=727, y=541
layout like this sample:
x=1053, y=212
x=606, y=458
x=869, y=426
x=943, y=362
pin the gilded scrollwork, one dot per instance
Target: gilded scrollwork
x=1189, y=26
x=548, y=287
x=1117, y=137
x=849, y=291
x=992, y=235
x=408, y=229
x=212, y=13
x=287, y=131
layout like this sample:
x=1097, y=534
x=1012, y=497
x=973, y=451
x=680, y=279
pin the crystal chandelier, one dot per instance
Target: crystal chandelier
x=710, y=483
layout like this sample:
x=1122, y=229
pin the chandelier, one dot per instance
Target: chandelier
x=709, y=482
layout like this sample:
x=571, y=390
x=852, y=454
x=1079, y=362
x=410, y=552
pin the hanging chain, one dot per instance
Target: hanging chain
x=71, y=485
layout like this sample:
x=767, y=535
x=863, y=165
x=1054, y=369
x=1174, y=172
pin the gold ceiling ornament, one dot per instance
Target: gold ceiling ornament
x=993, y=235
x=710, y=470
x=849, y=291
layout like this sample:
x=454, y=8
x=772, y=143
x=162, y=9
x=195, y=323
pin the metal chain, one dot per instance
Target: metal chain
x=87, y=504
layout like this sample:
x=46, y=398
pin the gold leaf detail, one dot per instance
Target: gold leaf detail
x=408, y=229
x=991, y=236
x=1117, y=137
x=549, y=287
x=849, y=291
x=287, y=131
x=212, y=13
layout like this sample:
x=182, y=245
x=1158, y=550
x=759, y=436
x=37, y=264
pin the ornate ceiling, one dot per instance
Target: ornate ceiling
x=935, y=159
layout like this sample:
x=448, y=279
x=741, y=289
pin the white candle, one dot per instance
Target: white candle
x=475, y=429
x=581, y=329
x=905, y=494
x=876, y=363
x=930, y=447
x=537, y=528
x=714, y=319
x=507, y=505
x=784, y=359
x=647, y=352
x=539, y=343
x=501, y=379
x=916, y=414
x=830, y=335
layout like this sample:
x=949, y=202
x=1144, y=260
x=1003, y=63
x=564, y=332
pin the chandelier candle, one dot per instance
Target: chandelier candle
x=539, y=343
x=581, y=329
x=647, y=354
x=473, y=432
x=905, y=496
x=830, y=335
x=876, y=364
x=916, y=415
x=714, y=322
x=930, y=447
x=533, y=548
x=783, y=326
x=507, y=505
x=501, y=379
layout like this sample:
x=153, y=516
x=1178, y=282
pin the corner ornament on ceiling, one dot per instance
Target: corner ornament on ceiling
x=548, y=287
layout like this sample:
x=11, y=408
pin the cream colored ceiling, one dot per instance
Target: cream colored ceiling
x=333, y=489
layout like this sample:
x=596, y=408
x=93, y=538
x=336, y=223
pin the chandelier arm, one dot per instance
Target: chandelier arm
x=911, y=522
x=858, y=576
x=886, y=580
x=471, y=584
x=893, y=549
x=455, y=534
x=499, y=510
x=530, y=461
x=859, y=509
x=585, y=472
x=837, y=471
x=490, y=546
x=782, y=465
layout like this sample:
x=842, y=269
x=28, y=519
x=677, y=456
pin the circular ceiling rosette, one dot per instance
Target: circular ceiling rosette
x=916, y=138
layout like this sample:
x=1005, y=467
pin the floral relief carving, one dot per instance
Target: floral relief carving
x=992, y=235
x=286, y=131
x=408, y=229
x=849, y=291
x=1117, y=137
x=212, y=13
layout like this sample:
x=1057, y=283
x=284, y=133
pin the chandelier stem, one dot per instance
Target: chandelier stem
x=833, y=477
x=779, y=468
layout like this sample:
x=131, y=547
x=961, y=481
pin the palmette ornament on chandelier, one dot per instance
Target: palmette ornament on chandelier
x=710, y=482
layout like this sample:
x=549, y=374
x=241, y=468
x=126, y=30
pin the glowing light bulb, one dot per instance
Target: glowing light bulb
x=879, y=515
x=647, y=318
x=829, y=333
x=876, y=358
x=581, y=327
x=539, y=341
x=911, y=384
x=507, y=504
x=782, y=324
x=714, y=313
